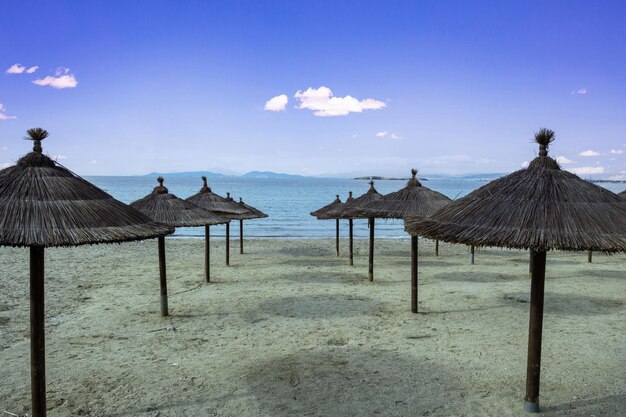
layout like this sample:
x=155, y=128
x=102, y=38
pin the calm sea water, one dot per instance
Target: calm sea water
x=287, y=201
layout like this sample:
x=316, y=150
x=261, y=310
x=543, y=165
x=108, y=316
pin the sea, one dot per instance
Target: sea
x=288, y=202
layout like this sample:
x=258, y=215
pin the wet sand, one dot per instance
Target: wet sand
x=290, y=329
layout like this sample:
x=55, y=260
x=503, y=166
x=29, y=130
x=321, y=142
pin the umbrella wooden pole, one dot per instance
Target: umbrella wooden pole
x=531, y=401
x=241, y=237
x=351, y=243
x=207, y=253
x=337, y=235
x=163, y=276
x=589, y=256
x=414, y=248
x=437, y=247
x=472, y=254
x=228, y=243
x=37, y=332
x=531, y=254
x=370, y=272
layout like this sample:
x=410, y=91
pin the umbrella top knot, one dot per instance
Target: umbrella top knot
x=36, y=158
x=413, y=181
x=205, y=188
x=160, y=189
x=544, y=137
x=372, y=190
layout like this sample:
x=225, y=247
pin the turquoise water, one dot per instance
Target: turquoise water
x=287, y=201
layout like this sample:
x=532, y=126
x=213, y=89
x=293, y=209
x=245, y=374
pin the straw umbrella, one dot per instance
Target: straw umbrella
x=540, y=208
x=168, y=209
x=43, y=204
x=251, y=213
x=208, y=200
x=622, y=194
x=321, y=214
x=350, y=210
x=412, y=200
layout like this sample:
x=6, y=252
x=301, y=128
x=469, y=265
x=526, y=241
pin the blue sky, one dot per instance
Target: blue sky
x=130, y=87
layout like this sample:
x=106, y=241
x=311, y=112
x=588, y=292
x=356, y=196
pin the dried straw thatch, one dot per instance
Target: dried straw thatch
x=322, y=212
x=44, y=204
x=248, y=213
x=412, y=200
x=173, y=211
x=622, y=194
x=168, y=209
x=541, y=208
x=351, y=209
x=208, y=200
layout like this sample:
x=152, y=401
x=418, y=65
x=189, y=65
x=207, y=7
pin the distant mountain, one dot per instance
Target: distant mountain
x=197, y=174
x=269, y=174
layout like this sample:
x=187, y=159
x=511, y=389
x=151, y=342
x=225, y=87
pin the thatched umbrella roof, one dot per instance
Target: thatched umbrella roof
x=414, y=199
x=622, y=194
x=44, y=204
x=321, y=213
x=208, y=200
x=249, y=211
x=350, y=209
x=168, y=209
x=541, y=208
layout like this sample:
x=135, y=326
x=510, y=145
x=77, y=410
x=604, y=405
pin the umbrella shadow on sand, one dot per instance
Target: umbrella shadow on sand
x=346, y=381
x=480, y=276
x=560, y=304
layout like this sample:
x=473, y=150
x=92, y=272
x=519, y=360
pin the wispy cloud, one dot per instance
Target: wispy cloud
x=589, y=153
x=19, y=69
x=382, y=134
x=617, y=151
x=564, y=160
x=62, y=79
x=525, y=164
x=322, y=102
x=5, y=165
x=3, y=115
x=93, y=162
x=586, y=170
x=277, y=103
x=579, y=92
x=385, y=134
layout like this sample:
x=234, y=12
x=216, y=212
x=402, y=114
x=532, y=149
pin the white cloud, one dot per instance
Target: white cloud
x=618, y=177
x=322, y=102
x=589, y=153
x=617, y=151
x=382, y=134
x=579, y=92
x=16, y=69
x=62, y=79
x=93, y=162
x=57, y=157
x=277, y=103
x=525, y=164
x=564, y=160
x=4, y=148
x=19, y=69
x=587, y=170
x=394, y=136
x=5, y=165
x=3, y=115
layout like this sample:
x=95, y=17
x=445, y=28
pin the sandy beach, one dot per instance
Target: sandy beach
x=290, y=329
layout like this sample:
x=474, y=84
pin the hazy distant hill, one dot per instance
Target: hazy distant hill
x=269, y=174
